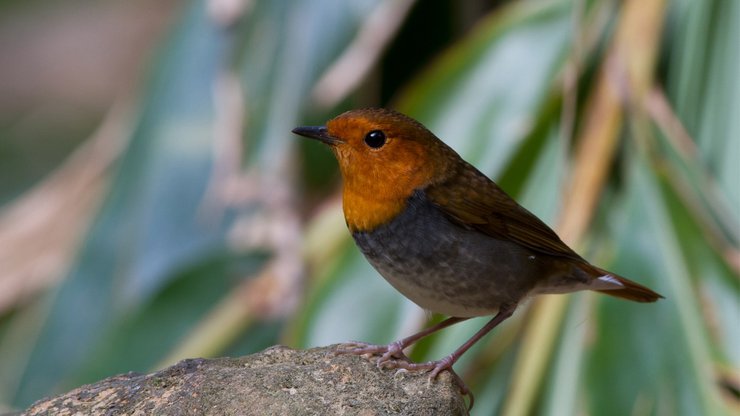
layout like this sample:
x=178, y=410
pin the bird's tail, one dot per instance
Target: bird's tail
x=614, y=285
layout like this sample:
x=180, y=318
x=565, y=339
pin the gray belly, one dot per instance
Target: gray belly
x=446, y=268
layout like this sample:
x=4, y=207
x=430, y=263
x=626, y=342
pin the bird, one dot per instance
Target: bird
x=445, y=235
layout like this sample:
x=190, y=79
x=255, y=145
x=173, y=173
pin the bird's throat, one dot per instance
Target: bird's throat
x=365, y=211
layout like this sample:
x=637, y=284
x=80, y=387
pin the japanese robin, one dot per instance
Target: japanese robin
x=443, y=234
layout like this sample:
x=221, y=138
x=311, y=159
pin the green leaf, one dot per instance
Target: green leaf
x=664, y=347
x=149, y=226
x=482, y=96
x=138, y=340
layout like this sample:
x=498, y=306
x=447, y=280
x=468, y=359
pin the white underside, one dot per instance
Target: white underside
x=606, y=282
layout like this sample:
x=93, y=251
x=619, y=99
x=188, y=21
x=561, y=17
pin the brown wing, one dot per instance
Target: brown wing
x=474, y=201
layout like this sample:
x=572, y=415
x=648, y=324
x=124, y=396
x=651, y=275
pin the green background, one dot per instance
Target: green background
x=155, y=205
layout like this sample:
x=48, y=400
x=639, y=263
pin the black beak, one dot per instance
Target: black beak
x=318, y=133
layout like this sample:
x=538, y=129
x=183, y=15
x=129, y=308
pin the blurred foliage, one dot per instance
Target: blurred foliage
x=215, y=231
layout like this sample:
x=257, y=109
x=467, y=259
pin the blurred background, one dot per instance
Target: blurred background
x=155, y=206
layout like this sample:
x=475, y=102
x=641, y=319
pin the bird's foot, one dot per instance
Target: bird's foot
x=392, y=356
x=436, y=367
x=389, y=354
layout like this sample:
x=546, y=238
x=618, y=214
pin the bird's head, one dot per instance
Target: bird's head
x=384, y=156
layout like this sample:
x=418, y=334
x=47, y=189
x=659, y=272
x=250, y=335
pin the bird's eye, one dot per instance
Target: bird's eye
x=375, y=139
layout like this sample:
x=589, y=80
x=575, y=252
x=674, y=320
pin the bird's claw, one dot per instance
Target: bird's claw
x=389, y=353
x=435, y=368
x=392, y=356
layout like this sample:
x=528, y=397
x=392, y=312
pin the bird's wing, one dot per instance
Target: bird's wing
x=472, y=200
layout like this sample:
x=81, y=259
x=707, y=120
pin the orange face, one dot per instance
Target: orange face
x=384, y=157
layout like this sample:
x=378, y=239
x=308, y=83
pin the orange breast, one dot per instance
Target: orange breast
x=365, y=212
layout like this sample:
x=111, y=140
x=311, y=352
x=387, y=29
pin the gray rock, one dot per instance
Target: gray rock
x=277, y=381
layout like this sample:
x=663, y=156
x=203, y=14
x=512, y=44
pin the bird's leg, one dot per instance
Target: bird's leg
x=395, y=349
x=446, y=363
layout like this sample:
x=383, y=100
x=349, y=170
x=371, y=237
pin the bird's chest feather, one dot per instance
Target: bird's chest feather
x=444, y=267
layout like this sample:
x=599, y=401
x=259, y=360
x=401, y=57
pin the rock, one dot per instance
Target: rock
x=277, y=381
